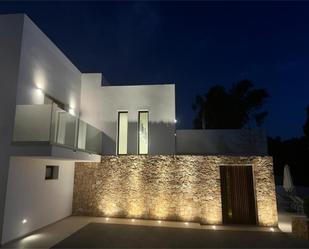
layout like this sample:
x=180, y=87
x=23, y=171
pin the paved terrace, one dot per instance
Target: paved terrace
x=93, y=232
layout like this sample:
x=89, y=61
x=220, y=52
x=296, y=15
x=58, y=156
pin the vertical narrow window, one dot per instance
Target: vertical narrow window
x=122, y=133
x=143, y=132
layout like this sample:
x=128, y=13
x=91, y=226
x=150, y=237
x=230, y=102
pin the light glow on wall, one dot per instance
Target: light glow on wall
x=39, y=91
x=109, y=207
x=38, y=96
x=32, y=237
x=72, y=111
x=39, y=77
x=160, y=208
x=73, y=103
x=183, y=188
x=24, y=221
x=40, y=83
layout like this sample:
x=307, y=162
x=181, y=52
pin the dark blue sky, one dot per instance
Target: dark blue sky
x=192, y=44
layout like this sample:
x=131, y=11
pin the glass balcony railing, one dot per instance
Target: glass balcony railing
x=32, y=123
x=89, y=138
x=53, y=125
x=63, y=128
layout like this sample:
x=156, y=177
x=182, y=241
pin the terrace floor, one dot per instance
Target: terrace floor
x=93, y=232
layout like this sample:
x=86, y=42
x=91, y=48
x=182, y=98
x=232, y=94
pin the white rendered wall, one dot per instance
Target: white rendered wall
x=44, y=66
x=100, y=107
x=10, y=43
x=221, y=142
x=90, y=109
x=31, y=197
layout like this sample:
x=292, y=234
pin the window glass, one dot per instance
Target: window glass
x=122, y=132
x=51, y=172
x=143, y=132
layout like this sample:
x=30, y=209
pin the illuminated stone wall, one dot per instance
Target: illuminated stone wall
x=166, y=187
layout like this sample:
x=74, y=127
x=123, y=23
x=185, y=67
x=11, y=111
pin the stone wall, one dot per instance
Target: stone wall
x=183, y=188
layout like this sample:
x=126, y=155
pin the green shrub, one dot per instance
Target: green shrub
x=306, y=206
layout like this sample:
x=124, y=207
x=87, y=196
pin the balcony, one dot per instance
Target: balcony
x=50, y=125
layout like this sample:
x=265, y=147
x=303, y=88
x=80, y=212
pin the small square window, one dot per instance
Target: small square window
x=51, y=172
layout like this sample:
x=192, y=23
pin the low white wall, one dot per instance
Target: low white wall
x=29, y=196
x=221, y=142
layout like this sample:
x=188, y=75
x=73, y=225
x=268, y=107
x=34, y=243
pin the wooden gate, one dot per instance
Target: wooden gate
x=237, y=193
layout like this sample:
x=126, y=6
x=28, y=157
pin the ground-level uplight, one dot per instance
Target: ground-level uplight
x=32, y=237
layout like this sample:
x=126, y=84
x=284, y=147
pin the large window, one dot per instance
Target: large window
x=143, y=132
x=122, y=133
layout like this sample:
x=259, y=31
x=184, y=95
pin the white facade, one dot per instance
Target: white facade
x=100, y=107
x=34, y=75
x=42, y=65
x=33, y=202
x=10, y=46
x=51, y=113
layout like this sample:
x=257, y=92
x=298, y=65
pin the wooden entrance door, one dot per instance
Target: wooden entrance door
x=238, y=201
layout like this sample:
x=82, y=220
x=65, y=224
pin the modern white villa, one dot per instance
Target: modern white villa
x=73, y=145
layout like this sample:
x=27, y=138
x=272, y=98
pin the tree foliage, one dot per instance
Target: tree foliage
x=306, y=125
x=294, y=152
x=234, y=108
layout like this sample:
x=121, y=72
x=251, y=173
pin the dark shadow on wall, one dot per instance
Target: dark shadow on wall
x=108, y=145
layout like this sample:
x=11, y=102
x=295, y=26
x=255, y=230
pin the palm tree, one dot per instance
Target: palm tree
x=230, y=109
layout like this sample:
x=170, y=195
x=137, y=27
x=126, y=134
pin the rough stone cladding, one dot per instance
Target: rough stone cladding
x=185, y=188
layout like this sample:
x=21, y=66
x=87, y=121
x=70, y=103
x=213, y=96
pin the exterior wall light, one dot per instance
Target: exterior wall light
x=132, y=220
x=175, y=121
x=159, y=221
x=71, y=111
x=272, y=229
x=186, y=223
x=38, y=96
x=214, y=227
x=39, y=91
x=24, y=221
x=106, y=218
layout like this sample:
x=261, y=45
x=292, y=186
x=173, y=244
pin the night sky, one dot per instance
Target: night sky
x=191, y=44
